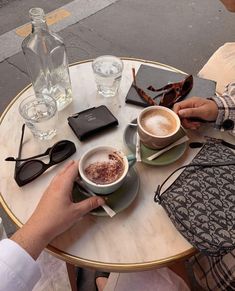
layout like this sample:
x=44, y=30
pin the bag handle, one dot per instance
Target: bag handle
x=157, y=196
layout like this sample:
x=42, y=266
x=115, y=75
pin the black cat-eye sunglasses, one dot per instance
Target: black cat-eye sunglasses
x=31, y=168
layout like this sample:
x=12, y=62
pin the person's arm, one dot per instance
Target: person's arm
x=226, y=109
x=54, y=214
x=218, y=109
x=18, y=270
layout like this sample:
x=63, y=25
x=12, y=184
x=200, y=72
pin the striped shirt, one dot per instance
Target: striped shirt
x=215, y=273
x=226, y=106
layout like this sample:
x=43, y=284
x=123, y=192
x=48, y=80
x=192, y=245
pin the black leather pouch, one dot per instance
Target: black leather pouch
x=91, y=121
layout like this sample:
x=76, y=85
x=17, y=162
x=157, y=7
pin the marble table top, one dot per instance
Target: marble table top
x=138, y=238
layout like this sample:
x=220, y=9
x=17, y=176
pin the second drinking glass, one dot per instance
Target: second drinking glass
x=40, y=115
x=108, y=73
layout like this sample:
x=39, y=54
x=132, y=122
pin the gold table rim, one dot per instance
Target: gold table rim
x=91, y=263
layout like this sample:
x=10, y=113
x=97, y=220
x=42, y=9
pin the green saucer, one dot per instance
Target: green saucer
x=167, y=158
x=118, y=200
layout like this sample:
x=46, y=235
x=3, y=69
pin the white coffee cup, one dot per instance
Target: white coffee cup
x=157, y=126
x=107, y=161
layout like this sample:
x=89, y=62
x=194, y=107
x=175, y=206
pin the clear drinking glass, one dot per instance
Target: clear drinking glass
x=108, y=73
x=46, y=61
x=40, y=115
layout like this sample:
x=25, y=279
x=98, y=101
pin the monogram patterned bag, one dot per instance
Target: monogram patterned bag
x=201, y=201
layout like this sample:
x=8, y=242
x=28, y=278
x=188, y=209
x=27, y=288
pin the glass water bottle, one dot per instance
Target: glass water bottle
x=46, y=61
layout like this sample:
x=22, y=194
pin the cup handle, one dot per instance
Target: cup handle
x=131, y=160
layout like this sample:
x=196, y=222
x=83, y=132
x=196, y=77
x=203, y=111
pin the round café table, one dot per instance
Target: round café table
x=141, y=237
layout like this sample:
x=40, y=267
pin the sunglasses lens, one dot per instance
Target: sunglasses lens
x=187, y=86
x=62, y=151
x=169, y=98
x=29, y=170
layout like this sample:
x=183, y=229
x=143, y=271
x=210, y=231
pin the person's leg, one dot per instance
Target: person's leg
x=180, y=269
x=229, y=4
x=157, y=279
x=72, y=276
x=101, y=283
x=101, y=279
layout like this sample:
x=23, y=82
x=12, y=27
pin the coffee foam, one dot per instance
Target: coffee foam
x=101, y=156
x=104, y=167
x=158, y=122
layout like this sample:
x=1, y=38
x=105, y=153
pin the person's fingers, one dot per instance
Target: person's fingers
x=72, y=172
x=66, y=167
x=69, y=172
x=194, y=125
x=190, y=112
x=63, y=170
x=65, y=178
x=89, y=204
x=190, y=124
x=188, y=103
x=176, y=107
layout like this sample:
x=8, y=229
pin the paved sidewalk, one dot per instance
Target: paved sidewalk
x=183, y=35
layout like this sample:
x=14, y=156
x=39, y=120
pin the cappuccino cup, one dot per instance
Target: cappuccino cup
x=103, y=169
x=157, y=126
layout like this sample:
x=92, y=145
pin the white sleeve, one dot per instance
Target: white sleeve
x=18, y=270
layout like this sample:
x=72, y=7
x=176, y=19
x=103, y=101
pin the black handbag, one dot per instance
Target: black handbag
x=201, y=201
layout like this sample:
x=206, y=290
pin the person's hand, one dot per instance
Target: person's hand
x=196, y=107
x=56, y=207
x=55, y=212
x=229, y=4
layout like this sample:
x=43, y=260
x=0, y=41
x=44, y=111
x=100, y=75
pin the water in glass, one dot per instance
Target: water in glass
x=108, y=73
x=40, y=116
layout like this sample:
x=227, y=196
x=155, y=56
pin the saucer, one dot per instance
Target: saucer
x=167, y=158
x=119, y=199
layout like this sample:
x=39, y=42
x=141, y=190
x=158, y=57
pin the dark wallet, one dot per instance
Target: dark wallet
x=90, y=121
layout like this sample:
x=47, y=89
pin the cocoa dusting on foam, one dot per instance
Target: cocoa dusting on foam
x=105, y=172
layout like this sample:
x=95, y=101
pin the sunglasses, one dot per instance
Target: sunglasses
x=169, y=94
x=31, y=168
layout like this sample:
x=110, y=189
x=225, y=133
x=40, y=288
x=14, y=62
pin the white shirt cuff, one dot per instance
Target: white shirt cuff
x=18, y=270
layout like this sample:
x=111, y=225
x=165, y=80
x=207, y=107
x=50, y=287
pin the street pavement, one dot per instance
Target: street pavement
x=182, y=33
